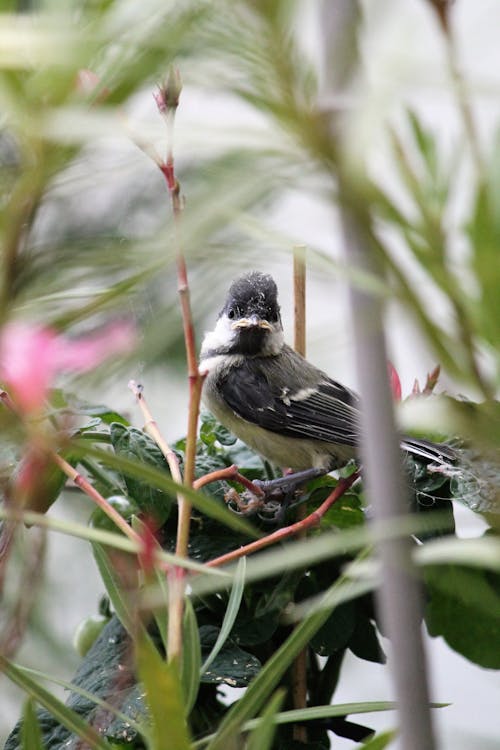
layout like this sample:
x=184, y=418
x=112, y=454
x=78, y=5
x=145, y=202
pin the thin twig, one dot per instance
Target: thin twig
x=229, y=472
x=81, y=482
x=309, y=522
x=89, y=490
x=167, y=99
x=152, y=429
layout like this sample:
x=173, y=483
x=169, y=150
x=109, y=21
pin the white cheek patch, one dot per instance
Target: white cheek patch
x=223, y=361
x=220, y=338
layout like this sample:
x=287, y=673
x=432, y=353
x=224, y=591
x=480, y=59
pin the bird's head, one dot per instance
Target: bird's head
x=250, y=321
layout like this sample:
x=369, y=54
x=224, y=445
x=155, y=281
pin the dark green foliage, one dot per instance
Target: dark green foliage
x=106, y=672
x=231, y=666
x=258, y=630
x=337, y=630
x=430, y=492
x=464, y=608
x=134, y=444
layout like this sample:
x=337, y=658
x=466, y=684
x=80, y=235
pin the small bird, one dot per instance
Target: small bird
x=273, y=399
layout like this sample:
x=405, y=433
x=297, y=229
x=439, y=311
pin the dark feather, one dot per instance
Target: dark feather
x=329, y=414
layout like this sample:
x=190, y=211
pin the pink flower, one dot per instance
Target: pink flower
x=395, y=382
x=87, y=83
x=31, y=356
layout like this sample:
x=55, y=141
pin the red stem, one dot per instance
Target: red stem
x=230, y=472
x=310, y=521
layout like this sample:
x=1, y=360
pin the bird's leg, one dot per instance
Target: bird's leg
x=288, y=483
x=280, y=492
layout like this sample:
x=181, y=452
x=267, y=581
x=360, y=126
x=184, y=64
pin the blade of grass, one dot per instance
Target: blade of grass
x=233, y=607
x=65, y=715
x=72, y=688
x=340, y=709
x=381, y=741
x=191, y=657
x=99, y=536
x=115, y=590
x=31, y=736
x=261, y=687
x=162, y=481
x=321, y=712
x=263, y=733
x=164, y=697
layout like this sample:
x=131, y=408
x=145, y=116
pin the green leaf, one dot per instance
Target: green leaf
x=114, y=585
x=364, y=641
x=346, y=513
x=270, y=674
x=381, y=741
x=164, y=697
x=31, y=735
x=131, y=727
x=133, y=444
x=335, y=634
x=65, y=715
x=191, y=657
x=262, y=736
x=212, y=432
x=232, y=665
x=123, y=717
x=232, y=610
x=161, y=480
x=125, y=507
x=464, y=608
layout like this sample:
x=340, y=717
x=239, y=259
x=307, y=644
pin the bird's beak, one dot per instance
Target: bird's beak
x=252, y=322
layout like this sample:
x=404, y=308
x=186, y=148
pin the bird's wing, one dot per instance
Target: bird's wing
x=318, y=408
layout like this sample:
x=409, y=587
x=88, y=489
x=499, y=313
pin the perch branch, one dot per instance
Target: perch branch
x=312, y=520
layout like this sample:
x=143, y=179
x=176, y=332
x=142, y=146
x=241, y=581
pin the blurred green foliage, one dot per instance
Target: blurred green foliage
x=86, y=235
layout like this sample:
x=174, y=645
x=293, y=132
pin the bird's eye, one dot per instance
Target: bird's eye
x=231, y=313
x=272, y=315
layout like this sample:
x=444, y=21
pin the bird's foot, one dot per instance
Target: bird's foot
x=271, y=498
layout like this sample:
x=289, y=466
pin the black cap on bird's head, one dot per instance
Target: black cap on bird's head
x=252, y=315
x=253, y=295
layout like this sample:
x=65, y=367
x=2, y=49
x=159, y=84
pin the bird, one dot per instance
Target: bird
x=276, y=401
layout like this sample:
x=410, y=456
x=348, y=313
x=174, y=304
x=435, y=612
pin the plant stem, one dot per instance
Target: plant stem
x=229, y=472
x=168, y=99
x=89, y=490
x=151, y=428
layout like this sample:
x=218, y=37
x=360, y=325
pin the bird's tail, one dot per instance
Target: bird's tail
x=439, y=453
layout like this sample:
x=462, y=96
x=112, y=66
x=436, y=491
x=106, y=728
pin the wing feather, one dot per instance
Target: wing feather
x=317, y=409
